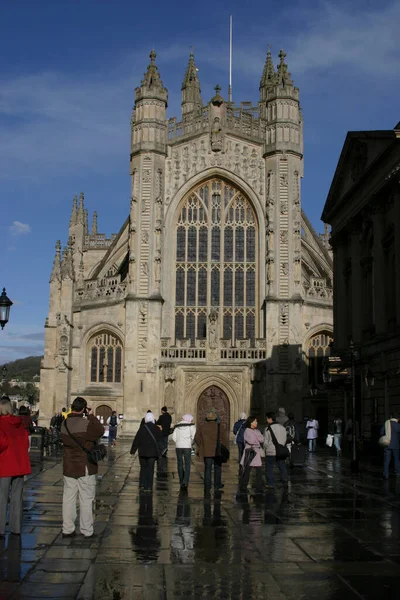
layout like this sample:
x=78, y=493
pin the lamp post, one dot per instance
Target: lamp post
x=5, y=305
x=354, y=465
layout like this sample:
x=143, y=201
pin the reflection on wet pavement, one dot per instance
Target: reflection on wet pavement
x=326, y=536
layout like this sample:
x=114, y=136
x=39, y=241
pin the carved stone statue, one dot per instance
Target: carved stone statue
x=213, y=329
x=216, y=135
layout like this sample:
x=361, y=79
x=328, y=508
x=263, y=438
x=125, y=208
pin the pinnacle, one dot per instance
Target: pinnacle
x=268, y=76
x=191, y=77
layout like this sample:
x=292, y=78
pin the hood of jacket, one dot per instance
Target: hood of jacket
x=11, y=421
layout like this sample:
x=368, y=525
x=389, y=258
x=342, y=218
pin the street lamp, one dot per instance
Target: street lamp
x=5, y=305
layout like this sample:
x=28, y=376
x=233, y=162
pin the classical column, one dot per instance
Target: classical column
x=378, y=274
x=356, y=286
x=340, y=293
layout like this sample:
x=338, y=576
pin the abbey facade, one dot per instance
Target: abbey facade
x=216, y=292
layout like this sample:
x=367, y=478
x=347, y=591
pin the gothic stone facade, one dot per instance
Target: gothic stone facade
x=216, y=286
x=363, y=207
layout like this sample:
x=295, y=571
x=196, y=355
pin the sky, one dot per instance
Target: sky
x=67, y=78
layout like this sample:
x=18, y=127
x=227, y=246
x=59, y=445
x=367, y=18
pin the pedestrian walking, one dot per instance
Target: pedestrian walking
x=112, y=423
x=147, y=443
x=292, y=430
x=183, y=436
x=14, y=465
x=312, y=427
x=251, y=458
x=79, y=433
x=238, y=431
x=274, y=435
x=208, y=438
x=390, y=431
x=164, y=421
x=338, y=434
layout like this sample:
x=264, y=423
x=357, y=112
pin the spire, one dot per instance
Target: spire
x=94, y=223
x=80, y=218
x=191, y=96
x=86, y=221
x=268, y=76
x=283, y=75
x=80, y=282
x=74, y=212
x=152, y=86
x=56, y=271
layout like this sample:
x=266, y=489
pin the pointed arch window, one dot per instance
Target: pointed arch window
x=319, y=349
x=216, y=262
x=105, y=356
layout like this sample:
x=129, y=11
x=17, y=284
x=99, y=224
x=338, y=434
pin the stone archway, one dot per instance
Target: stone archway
x=103, y=411
x=213, y=398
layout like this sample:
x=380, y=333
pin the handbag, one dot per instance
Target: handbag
x=97, y=453
x=221, y=450
x=384, y=441
x=282, y=452
x=329, y=440
x=160, y=452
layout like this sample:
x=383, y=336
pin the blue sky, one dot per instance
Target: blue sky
x=67, y=79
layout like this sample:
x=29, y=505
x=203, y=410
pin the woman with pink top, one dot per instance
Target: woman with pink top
x=251, y=458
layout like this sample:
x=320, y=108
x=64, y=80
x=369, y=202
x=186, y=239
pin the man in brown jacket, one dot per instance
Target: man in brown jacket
x=207, y=440
x=79, y=474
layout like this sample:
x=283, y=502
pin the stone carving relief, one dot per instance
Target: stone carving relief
x=243, y=159
x=284, y=236
x=146, y=175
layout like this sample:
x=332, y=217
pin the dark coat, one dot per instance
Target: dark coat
x=239, y=429
x=87, y=431
x=165, y=421
x=207, y=436
x=144, y=443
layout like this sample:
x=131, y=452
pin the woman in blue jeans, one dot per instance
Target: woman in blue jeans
x=183, y=436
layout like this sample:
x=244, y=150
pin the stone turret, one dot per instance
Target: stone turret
x=191, y=96
x=268, y=77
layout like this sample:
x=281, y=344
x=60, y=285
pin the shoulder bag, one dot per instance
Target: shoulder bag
x=160, y=452
x=282, y=452
x=95, y=454
x=221, y=450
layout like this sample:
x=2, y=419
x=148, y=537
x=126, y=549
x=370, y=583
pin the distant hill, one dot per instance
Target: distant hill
x=23, y=368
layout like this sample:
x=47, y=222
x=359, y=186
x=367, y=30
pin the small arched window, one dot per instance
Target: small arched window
x=105, y=358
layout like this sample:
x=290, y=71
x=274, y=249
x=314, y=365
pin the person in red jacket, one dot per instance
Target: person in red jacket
x=14, y=464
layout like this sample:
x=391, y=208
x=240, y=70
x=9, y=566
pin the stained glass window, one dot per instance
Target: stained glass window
x=105, y=356
x=216, y=249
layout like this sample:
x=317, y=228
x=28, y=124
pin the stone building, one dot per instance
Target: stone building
x=363, y=208
x=216, y=289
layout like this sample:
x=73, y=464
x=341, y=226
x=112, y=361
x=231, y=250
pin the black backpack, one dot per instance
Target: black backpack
x=113, y=421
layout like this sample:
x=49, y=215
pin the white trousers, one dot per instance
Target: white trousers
x=85, y=487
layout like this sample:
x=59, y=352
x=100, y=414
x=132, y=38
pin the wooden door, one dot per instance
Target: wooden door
x=103, y=411
x=214, y=399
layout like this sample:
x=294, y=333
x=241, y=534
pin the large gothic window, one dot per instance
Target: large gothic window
x=105, y=358
x=216, y=250
x=319, y=349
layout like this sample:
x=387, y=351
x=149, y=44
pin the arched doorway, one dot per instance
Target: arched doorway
x=103, y=411
x=213, y=398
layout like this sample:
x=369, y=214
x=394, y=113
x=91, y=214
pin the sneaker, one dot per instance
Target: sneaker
x=69, y=535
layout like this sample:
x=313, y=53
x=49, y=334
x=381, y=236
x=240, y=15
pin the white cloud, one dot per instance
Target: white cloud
x=18, y=228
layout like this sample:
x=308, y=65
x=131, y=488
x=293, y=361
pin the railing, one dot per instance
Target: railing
x=99, y=240
x=111, y=289
x=185, y=351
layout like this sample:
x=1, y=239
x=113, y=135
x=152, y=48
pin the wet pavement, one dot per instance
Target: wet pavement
x=328, y=535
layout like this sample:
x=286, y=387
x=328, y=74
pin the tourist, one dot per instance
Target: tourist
x=338, y=434
x=79, y=434
x=183, y=436
x=281, y=418
x=147, y=443
x=238, y=431
x=14, y=465
x=292, y=430
x=253, y=439
x=279, y=432
x=312, y=427
x=164, y=421
x=112, y=423
x=391, y=430
x=207, y=440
